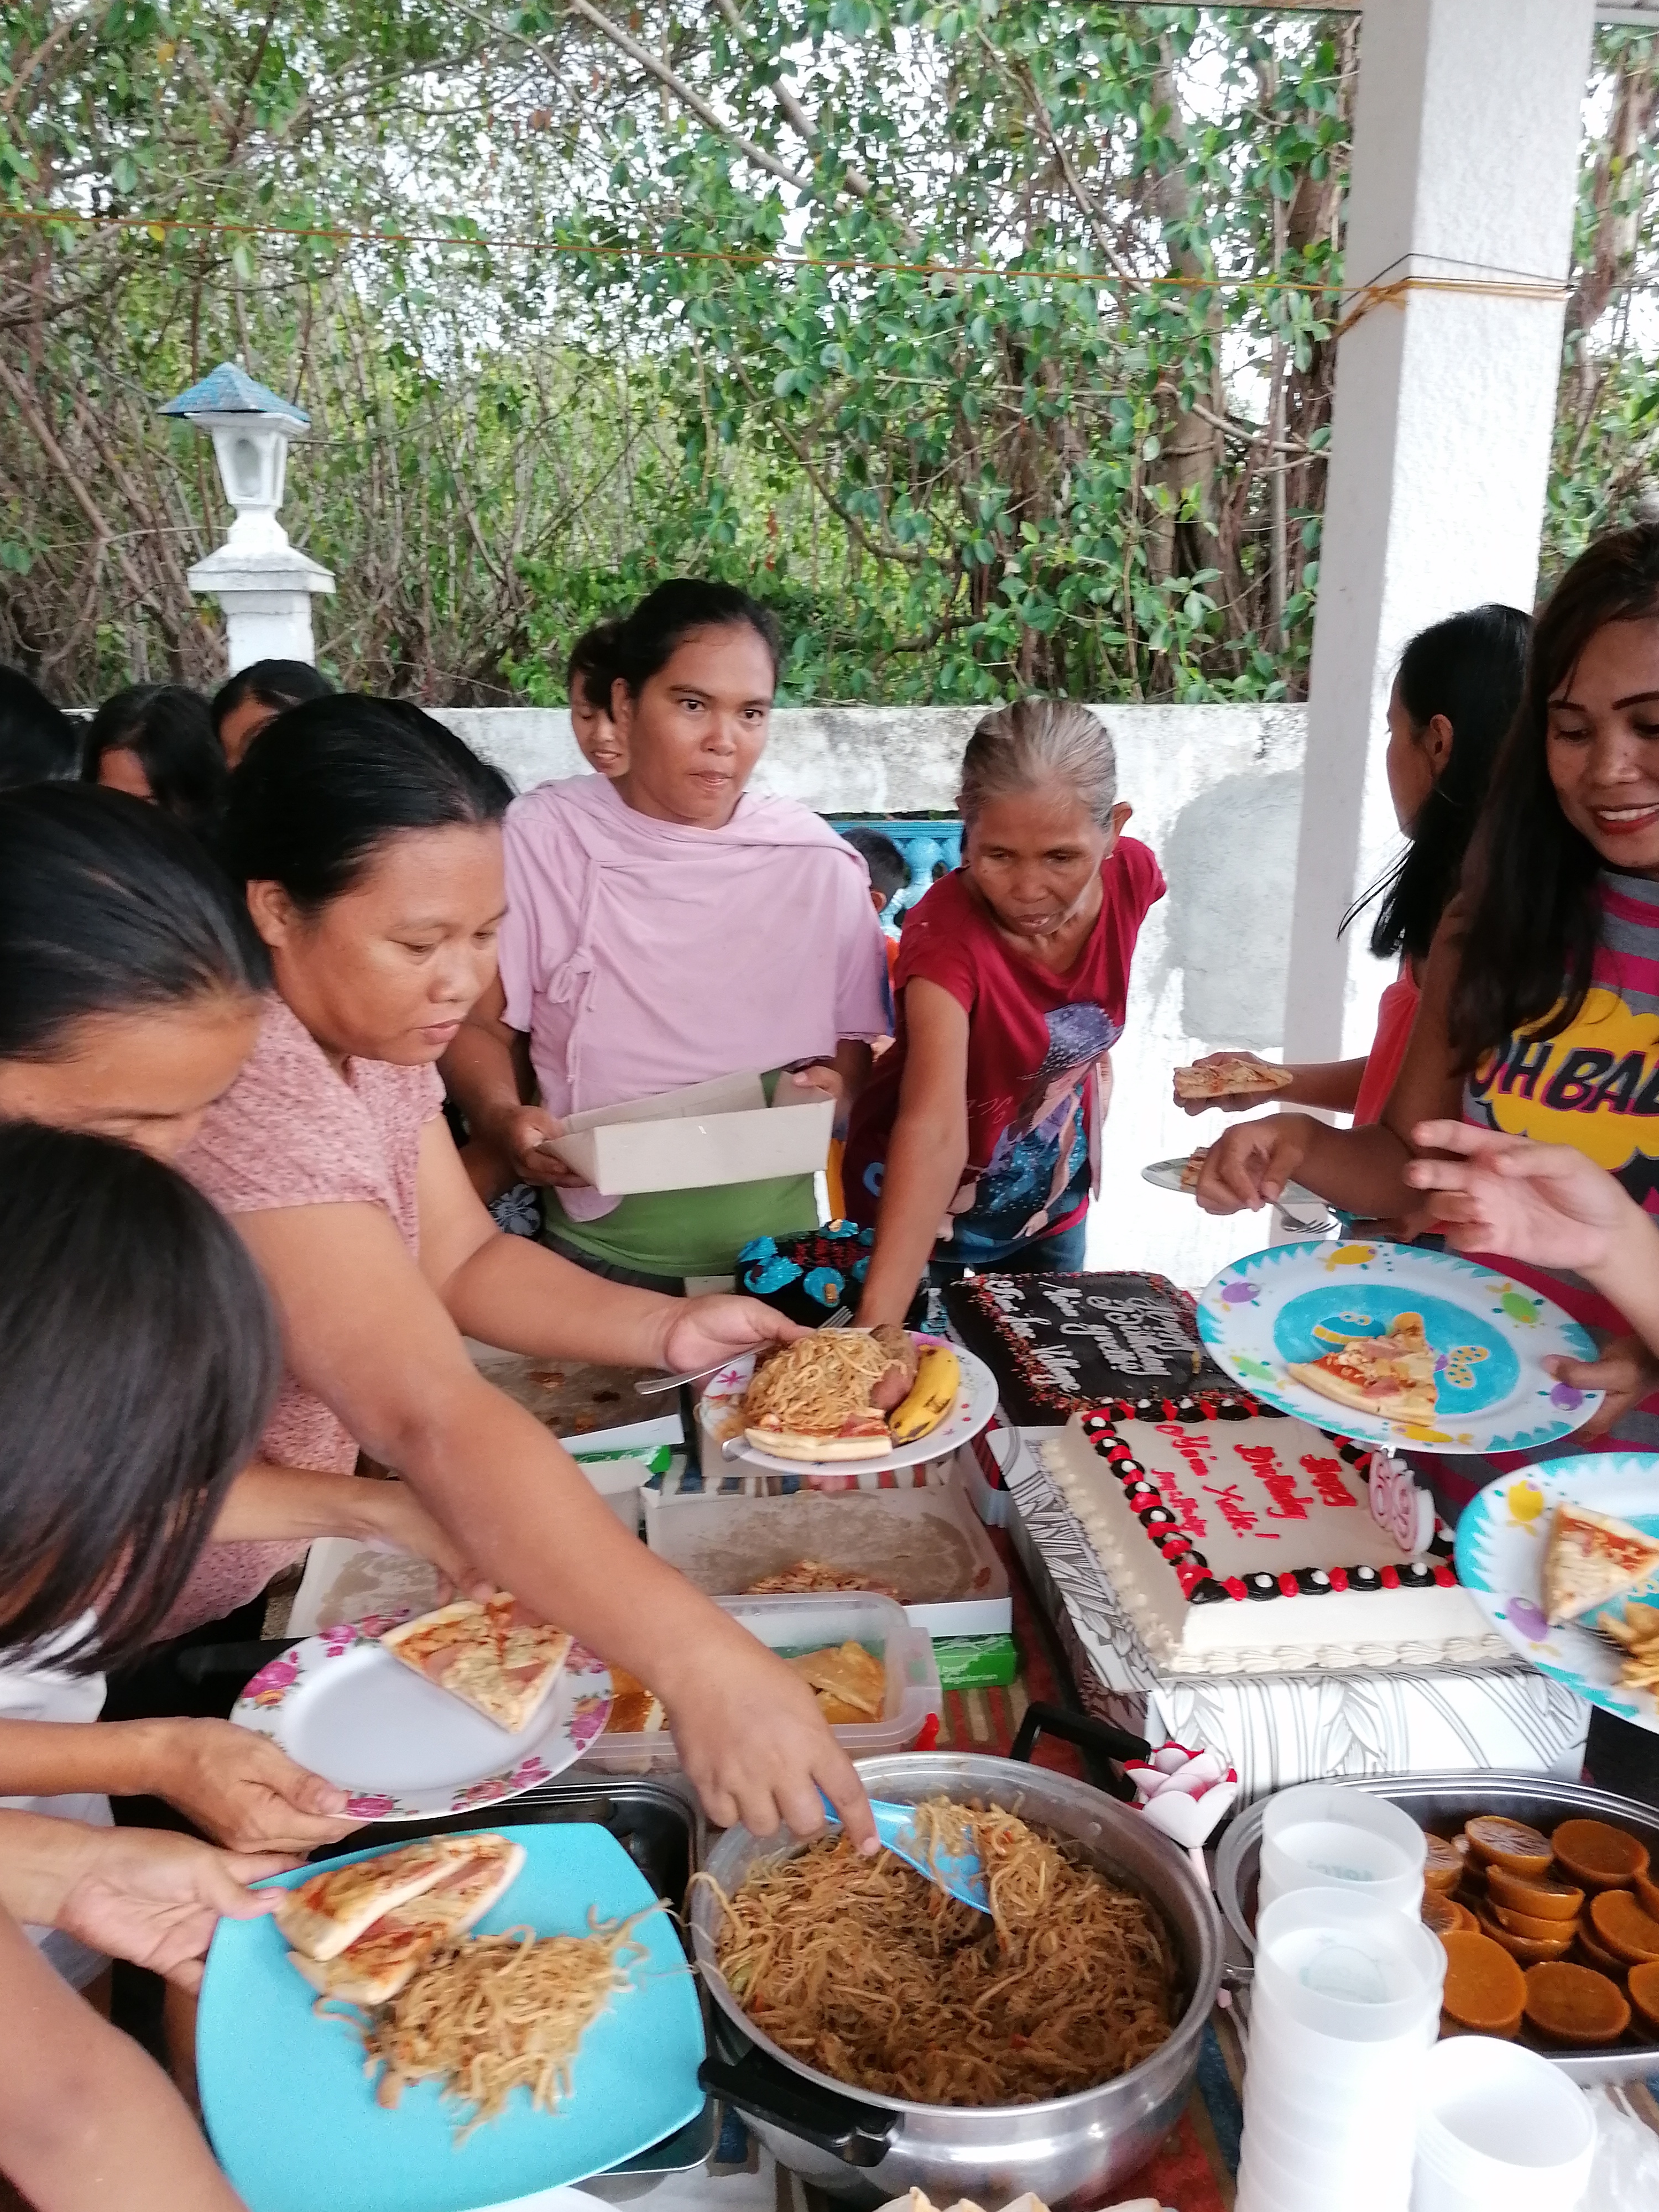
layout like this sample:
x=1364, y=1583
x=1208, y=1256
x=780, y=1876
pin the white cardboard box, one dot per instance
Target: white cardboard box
x=1278, y=1730
x=707, y=1134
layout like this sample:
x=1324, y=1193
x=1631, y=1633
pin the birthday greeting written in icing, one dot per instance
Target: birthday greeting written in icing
x=1133, y=1337
x=1263, y=1487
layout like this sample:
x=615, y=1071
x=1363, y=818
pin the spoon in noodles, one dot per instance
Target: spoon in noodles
x=960, y=1873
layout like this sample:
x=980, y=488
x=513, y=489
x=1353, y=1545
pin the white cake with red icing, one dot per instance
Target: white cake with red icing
x=1252, y=1545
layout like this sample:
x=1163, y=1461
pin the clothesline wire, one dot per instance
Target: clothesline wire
x=1518, y=287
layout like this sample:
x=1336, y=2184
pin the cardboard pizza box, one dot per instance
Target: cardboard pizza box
x=692, y=1139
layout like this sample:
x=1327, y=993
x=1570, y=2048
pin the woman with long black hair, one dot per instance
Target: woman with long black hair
x=1453, y=699
x=1539, y=1016
x=117, y=1272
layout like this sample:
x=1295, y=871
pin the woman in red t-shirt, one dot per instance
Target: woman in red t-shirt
x=976, y=1142
x=1454, y=696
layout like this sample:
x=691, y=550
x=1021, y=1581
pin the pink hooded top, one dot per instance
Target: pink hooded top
x=641, y=955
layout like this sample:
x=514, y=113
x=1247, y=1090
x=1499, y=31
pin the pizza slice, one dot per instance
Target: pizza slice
x=1391, y=1376
x=372, y=1970
x=492, y=1656
x=1228, y=1075
x=1591, y=1559
x=334, y=1908
x=1192, y=1168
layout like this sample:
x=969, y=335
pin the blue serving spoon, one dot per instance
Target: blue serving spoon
x=959, y=1873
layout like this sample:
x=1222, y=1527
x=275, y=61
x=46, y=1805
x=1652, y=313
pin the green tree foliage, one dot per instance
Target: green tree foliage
x=1047, y=405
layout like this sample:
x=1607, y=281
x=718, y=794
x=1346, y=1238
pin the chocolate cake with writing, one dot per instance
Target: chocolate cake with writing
x=1123, y=1345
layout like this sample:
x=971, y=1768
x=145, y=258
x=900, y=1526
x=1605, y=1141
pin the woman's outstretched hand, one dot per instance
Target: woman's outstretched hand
x=755, y=1745
x=701, y=1332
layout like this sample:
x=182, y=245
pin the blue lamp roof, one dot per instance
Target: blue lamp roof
x=229, y=390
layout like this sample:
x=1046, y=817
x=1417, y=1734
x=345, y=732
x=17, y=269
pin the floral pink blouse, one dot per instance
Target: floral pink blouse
x=292, y=1132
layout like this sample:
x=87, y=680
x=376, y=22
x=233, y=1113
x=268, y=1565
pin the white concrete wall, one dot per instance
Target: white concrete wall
x=1467, y=125
x=1217, y=794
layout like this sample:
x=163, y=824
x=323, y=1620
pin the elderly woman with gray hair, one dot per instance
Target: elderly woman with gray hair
x=976, y=1143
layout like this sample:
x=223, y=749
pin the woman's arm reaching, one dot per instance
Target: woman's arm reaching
x=926, y=1152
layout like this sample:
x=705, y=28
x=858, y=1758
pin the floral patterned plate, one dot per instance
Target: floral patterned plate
x=1491, y=1336
x=976, y=1402
x=341, y=1705
x=1501, y=1542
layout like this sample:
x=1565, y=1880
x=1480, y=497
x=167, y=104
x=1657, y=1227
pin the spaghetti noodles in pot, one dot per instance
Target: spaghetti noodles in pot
x=811, y=1386
x=491, y=2014
x=865, y=1971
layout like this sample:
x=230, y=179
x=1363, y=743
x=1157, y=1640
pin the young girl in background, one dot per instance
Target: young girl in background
x=588, y=675
x=156, y=741
x=976, y=1142
x=256, y=695
x=1453, y=700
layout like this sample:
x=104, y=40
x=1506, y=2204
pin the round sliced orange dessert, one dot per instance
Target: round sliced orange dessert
x=1599, y=1855
x=1528, y=1949
x=1443, y=1863
x=1622, y=1927
x=1541, y=1931
x=1485, y=1991
x=1575, y=2005
x=1496, y=1841
x=1644, y=1987
x=1592, y=1954
x=1441, y=1914
x=1540, y=1896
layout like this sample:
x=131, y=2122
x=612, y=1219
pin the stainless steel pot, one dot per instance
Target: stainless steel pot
x=1072, y=2151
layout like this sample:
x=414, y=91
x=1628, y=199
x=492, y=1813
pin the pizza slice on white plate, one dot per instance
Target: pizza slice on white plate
x=493, y=1656
x=1591, y=1559
x=372, y=1970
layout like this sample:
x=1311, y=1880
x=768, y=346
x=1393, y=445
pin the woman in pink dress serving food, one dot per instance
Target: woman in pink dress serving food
x=976, y=1142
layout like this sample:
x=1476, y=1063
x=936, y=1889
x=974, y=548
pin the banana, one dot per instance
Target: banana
x=931, y=1394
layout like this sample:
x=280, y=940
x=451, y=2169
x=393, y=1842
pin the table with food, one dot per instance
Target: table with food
x=1096, y=1957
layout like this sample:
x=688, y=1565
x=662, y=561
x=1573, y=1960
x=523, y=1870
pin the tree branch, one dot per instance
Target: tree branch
x=686, y=95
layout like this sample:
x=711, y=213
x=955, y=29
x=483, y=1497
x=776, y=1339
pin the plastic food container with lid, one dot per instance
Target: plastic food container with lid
x=913, y=1698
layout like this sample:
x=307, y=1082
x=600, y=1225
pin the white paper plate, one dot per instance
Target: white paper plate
x=1501, y=1542
x=1165, y=1175
x=1490, y=1335
x=977, y=1401
x=342, y=1705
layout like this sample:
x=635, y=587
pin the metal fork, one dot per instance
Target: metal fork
x=654, y=1385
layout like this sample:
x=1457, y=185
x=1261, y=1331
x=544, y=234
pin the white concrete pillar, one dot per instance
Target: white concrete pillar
x=1465, y=165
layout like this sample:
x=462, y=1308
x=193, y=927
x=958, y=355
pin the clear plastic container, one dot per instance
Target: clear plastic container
x=794, y=1624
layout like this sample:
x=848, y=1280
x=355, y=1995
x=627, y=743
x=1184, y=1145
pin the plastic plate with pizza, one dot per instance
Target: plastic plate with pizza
x=976, y=1403
x=1503, y=1539
x=342, y=1705
x=1392, y=1344
x=292, y=2114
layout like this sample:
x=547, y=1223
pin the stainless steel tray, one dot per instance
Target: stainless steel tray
x=660, y=1826
x=1444, y=1802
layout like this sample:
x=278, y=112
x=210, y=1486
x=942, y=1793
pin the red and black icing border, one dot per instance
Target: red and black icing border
x=1228, y=1402
x=1199, y=1586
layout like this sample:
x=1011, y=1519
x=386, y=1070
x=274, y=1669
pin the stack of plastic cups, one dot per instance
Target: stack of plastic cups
x=1344, y=2007
x=1318, y=1836
x=1500, y=2127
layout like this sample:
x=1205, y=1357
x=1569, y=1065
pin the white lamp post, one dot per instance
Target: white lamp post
x=264, y=584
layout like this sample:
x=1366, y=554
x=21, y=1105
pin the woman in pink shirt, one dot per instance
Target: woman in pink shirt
x=666, y=927
x=369, y=839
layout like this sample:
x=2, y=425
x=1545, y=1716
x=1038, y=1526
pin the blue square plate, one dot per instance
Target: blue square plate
x=292, y=2114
